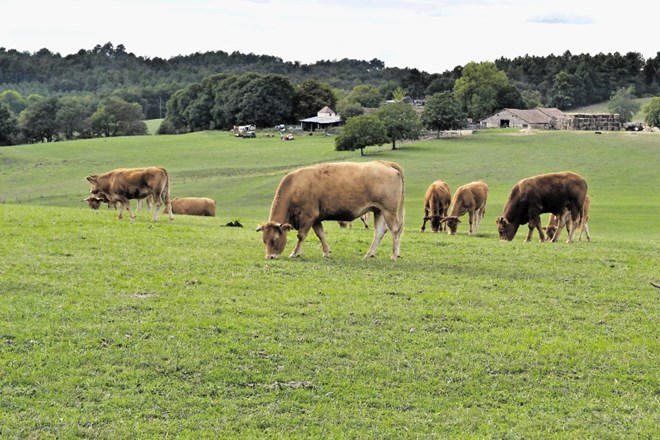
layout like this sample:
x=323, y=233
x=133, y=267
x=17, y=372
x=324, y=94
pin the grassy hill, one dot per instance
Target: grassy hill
x=114, y=329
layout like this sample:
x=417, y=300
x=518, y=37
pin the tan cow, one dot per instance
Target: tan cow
x=555, y=222
x=533, y=196
x=340, y=192
x=470, y=198
x=94, y=202
x=436, y=205
x=123, y=184
x=193, y=206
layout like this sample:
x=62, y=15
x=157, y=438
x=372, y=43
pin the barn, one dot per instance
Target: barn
x=324, y=119
x=544, y=118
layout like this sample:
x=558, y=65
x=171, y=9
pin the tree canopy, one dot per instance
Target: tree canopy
x=360, y=132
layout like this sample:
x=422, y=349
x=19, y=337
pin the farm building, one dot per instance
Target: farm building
x=325, y=118
x=515, y=118
x=549, y=118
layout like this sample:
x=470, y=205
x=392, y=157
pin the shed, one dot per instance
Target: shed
x=515, y=118
x=324, y=119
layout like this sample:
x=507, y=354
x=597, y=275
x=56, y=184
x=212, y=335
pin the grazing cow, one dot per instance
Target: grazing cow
x=470, y=198
x=123, y=184
x=193, y=206
x=364, y=218
x=340, y=192
x=555, y=222
x=436, y=204
x=533, y=196
x=94, y=202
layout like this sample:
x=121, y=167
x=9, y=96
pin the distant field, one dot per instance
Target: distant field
x=153, y=330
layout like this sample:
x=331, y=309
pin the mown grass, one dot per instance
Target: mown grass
x=150, y=330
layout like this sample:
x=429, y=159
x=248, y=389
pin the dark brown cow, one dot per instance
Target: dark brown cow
x=470, y=198
x=436, y=204
x=340, y=192
x=555, y=222
x=533, y=196
x=123, y=184
x=193, y=206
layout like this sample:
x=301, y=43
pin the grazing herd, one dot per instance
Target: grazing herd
x=346, y=191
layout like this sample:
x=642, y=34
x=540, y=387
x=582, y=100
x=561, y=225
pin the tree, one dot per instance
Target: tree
x=116, y=117
x=348, y=109
x=14, y=101
x=365, y=95
x=73, y=116
x=622, y=103
x=8, y=125
x=562, y=91
x=400, y=120
x=266, y=101
x=311, y=96
x=360, y=132
x=443, y=112
x=479, y=87
x=652, y=110
x=38, y=122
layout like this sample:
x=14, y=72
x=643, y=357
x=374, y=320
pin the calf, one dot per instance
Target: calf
x=436, y=204
x=470, y=198
x=555, y=222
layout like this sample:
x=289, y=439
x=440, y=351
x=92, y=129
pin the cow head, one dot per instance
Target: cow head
x=436, y=224
x=550, y=232
x=274, y=237
x=452, y=224
x=506, y=229
x=94, y=202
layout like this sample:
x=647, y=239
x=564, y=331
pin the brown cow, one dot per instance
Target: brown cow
x=555, y=222
x=340, y=192
x=123, y=184
x=533, y=196
x=193, y=206
x=436, y=204
x=470, y=198
x=94, y=202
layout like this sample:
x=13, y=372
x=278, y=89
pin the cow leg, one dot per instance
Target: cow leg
x=423, y=228
x=396, y=228
x=302, y=234
x=158, y=203
x=575, y=217
x=472, y=219
x=380, y=228
x=535, y=223
x=318, y=230
x=584, y=228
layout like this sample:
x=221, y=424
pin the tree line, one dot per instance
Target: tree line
x=106, y=91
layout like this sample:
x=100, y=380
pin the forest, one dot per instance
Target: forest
x=107, y=90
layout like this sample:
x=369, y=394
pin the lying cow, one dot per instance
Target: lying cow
x=364, y=218
x=123, y=184
x=533, y=196
x=470, y=198
x=340, y=192
x=193, y=206
x=555, y=222
x=436, y=205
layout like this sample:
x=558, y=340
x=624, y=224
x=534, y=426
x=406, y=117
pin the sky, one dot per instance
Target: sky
x=430, y=35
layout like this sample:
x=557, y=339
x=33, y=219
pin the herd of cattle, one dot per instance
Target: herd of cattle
x=346, y=191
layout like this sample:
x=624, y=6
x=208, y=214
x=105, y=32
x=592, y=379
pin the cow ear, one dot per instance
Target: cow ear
x=286, y=227
x=259, y=228
x=443, y=219
x=92, y=178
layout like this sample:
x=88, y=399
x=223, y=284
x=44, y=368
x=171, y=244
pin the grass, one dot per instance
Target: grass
x=151, y=330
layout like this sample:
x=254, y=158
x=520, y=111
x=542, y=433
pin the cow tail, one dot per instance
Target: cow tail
x=165, y=196
x=401, y=211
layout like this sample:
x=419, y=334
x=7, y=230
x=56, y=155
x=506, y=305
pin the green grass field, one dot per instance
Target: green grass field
x=111, y=329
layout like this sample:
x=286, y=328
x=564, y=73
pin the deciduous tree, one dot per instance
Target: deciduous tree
x=400, y=120
x=360, y=132
x=443, y=112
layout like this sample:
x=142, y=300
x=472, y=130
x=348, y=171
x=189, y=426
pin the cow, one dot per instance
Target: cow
x=470, y=198
x=123, y=184
x=533, y=196
x=436, y=205
x=555, y=222
x=339, y=192
x=202, y=206
x=364, y=218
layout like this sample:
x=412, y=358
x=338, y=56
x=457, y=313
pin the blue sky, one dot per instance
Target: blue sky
x=433, y=36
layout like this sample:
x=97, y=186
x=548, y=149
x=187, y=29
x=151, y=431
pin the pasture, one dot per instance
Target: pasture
x=113, y=329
